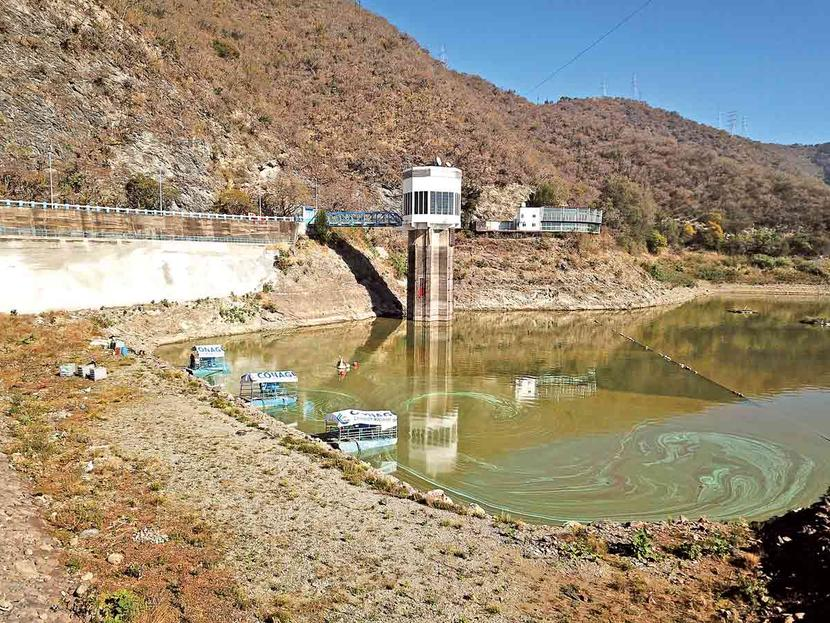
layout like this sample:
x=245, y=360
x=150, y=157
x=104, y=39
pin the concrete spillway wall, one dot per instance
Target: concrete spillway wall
x=47, y=274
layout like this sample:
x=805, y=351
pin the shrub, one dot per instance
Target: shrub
x=715, y=273
x=399, y=262
x=320, y=229
x=282, y=263
x=225, y=49
x=811, y=268
x=232, y=201
x=656, y=242
x=717, y=546
x=235, y=314
x=689, y=550
x=642, y=546
x=122, y=606
x=711, y=236
x=142, y=193
x=751, y=590
x=765, y=262
x=550, y=193
x=802, y=244
x=669, y=274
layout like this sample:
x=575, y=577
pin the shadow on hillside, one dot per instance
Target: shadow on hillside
x=384, y=301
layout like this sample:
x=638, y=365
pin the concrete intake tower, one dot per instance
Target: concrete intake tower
x=431, y=214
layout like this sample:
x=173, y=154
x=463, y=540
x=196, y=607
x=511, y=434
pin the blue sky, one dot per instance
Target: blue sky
x=767, y=60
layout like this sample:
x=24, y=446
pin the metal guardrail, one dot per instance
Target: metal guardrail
x=572, y=215
x=42, y=232
x=45, y=205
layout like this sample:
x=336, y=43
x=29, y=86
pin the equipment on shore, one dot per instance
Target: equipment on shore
x=355, y=431
x=342, y=365
x=207, y=360
x=269, y=389
x=91, y=371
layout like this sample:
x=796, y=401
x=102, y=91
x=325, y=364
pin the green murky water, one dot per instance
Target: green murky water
x=552, y=416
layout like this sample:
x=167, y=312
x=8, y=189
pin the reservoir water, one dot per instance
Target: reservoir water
x=554, y=417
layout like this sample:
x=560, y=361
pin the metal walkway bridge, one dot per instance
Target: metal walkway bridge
x=340, y=218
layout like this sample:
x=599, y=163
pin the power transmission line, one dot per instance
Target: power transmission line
x=595, y=43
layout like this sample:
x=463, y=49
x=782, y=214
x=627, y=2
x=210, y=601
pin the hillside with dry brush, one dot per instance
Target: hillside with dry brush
x=231, y=100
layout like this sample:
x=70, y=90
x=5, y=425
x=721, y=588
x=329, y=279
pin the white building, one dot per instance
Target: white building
x=529, y=219
x=548, y=219
x=432, y=198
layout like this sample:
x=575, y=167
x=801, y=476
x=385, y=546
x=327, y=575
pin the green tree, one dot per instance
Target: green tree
x=320, y=229
x=552, y=192
x=802, y=244
x=142, y=193
x=670, y=228
x=470, y=196
x=629, y=210
x=766, y=241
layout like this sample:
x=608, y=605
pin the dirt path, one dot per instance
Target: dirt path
x=31, y=574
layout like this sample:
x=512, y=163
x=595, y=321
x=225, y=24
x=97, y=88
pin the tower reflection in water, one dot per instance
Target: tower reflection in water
x=432, y=421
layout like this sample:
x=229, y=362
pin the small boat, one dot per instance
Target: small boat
x=207, y=360
x=269, y=389
x=356, y=431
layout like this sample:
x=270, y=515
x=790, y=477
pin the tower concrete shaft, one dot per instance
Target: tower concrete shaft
x=429, y=288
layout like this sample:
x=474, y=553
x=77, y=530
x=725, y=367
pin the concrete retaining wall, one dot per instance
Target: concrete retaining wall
x=43, y=274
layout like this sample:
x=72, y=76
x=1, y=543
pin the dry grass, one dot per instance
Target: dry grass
x=52, y=424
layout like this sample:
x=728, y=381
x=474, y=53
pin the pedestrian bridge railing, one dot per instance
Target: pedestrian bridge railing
x=383, y=218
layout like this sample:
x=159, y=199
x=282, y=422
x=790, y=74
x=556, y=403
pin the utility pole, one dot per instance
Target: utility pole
x=635, y=86
x=744, y=125
x=732, y=120
x=161, y=197
x=51, y=187
x=316, y=192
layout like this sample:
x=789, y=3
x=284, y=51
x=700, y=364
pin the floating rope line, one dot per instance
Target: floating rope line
x=679, y=364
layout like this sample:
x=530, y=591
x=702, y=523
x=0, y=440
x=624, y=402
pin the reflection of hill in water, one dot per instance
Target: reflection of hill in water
x=765, y=353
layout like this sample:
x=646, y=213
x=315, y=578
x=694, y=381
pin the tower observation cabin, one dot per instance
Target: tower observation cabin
x=431, y=214
x=432, y=198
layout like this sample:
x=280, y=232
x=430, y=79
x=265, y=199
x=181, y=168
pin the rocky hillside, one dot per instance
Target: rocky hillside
x=266, y=96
